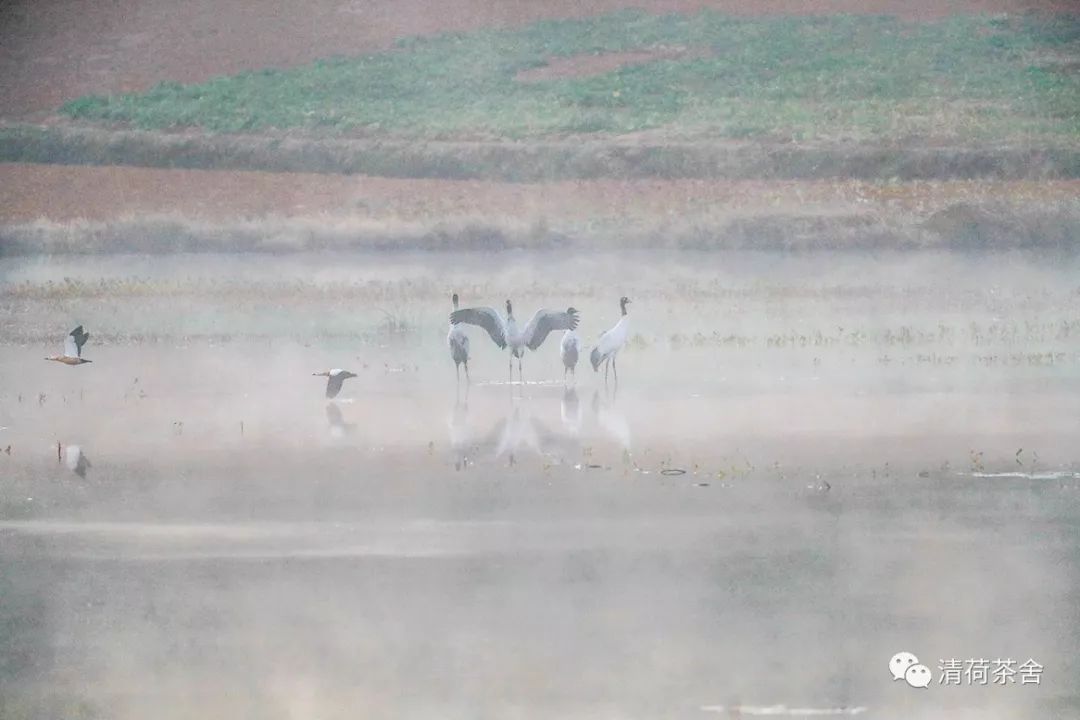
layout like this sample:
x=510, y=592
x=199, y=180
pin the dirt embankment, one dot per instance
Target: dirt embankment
x=534, y=161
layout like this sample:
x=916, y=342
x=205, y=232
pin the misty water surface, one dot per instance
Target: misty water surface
x=809, y=464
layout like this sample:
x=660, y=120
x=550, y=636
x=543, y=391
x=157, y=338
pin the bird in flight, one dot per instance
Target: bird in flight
x=336, y=378
x=73, y=345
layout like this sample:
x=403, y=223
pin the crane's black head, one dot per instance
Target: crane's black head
x=509, y=309
x=455, y=300
x=623, y=302
x=571, y=310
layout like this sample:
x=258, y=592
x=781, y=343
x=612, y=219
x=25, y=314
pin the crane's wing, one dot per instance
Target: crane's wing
x=484, y=317
x=544, y=321
x=604, y=347
x=74, y=342
x=333, y=384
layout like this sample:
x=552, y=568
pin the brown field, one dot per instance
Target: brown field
x=65, y=193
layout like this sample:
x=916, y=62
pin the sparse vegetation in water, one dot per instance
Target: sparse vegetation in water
x=802, y=78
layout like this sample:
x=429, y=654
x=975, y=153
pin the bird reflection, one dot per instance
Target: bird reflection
x=338, y=426
x=460, y=434
x=611, y=420
x=76, y=460
x=521, y=433
x=571, y=412
x=515, y=434
x=524, y=431
x=563, y=447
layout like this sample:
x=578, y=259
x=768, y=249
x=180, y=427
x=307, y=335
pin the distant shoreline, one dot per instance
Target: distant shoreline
x=534, y=161
x=962, y=226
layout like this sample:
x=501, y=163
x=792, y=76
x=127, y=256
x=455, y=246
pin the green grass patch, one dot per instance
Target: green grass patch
x=818, y=78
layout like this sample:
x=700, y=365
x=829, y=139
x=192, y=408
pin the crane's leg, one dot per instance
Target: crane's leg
x=457, y=371
x=468, y=381
x=607, y=366
x=615, y=369
x=521, y=375
x=511, y=368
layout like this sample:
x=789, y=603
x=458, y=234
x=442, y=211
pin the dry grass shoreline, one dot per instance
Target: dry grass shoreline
x=100, y=210
x=960, y=226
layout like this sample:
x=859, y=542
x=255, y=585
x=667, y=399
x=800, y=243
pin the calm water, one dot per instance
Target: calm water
x=810, y=463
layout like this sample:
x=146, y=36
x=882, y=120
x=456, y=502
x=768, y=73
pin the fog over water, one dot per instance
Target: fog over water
x=809, y=463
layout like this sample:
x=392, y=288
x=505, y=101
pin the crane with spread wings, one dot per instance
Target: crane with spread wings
x=505, y=332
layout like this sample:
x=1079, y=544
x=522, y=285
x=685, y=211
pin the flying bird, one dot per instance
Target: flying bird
x=505, y=333
x=73, y=345
x=611, y=342
x=336, y=377
x=458, y=342
x=568, y=350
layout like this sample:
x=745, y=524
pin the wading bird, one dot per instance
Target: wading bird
x=568, y=350
x=611, y=342
x=73, y=348
x=458, y=342
x=336, y=377
x=505, y=333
